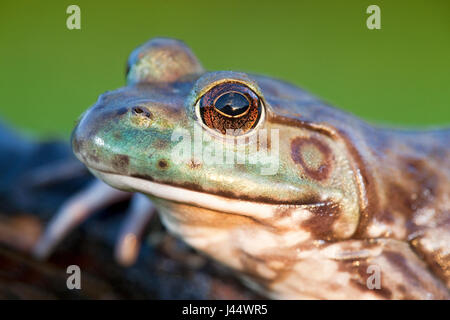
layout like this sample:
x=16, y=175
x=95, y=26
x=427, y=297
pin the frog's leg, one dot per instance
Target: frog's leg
x=76, y=210
x=128, y=244
x=360, y=269
x=404, y=275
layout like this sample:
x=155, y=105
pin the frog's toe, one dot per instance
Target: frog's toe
x=76, y=210
x=128, y=245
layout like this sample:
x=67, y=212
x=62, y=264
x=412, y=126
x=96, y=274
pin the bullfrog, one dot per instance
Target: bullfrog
x=300, y=199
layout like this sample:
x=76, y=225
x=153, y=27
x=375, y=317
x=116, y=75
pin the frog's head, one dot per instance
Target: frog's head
x=213, y=141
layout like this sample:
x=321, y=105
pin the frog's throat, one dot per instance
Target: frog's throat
x=196, y=198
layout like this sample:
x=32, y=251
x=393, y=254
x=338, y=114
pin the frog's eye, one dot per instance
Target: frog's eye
x=230, y=107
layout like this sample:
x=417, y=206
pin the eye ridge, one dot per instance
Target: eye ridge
x=218, y=114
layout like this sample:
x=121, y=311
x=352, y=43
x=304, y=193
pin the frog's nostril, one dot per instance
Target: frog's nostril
x=138, y=110
x=142, y=111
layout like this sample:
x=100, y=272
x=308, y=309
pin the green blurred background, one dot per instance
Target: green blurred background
x=397, y=75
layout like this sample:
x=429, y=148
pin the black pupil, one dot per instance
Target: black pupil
x=232, y=104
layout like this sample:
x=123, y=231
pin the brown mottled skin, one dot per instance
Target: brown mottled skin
x=405, y=185
x=347, y=195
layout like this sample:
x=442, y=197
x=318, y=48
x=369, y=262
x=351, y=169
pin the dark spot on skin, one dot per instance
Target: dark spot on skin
x=121, y=111
x=322, y=171
x=401, y=288
x=240, y=167
x=385, y=216
x=320, y=224
x=163, y=164
x=284, y=212
x=193, y=164
x=120, y=162
x=160, y=144
x=334, y=287
x=92, y=156
x=402, y=199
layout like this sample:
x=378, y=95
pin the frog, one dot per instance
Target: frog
x=299, y=199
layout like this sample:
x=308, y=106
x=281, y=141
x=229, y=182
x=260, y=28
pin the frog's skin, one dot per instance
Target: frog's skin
x=347, y=197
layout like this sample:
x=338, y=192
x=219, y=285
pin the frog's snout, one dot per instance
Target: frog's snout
x=125, y=134
x=92, y=139
x=81, y=143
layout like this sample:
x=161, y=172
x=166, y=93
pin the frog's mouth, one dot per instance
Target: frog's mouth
x=196, y=198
